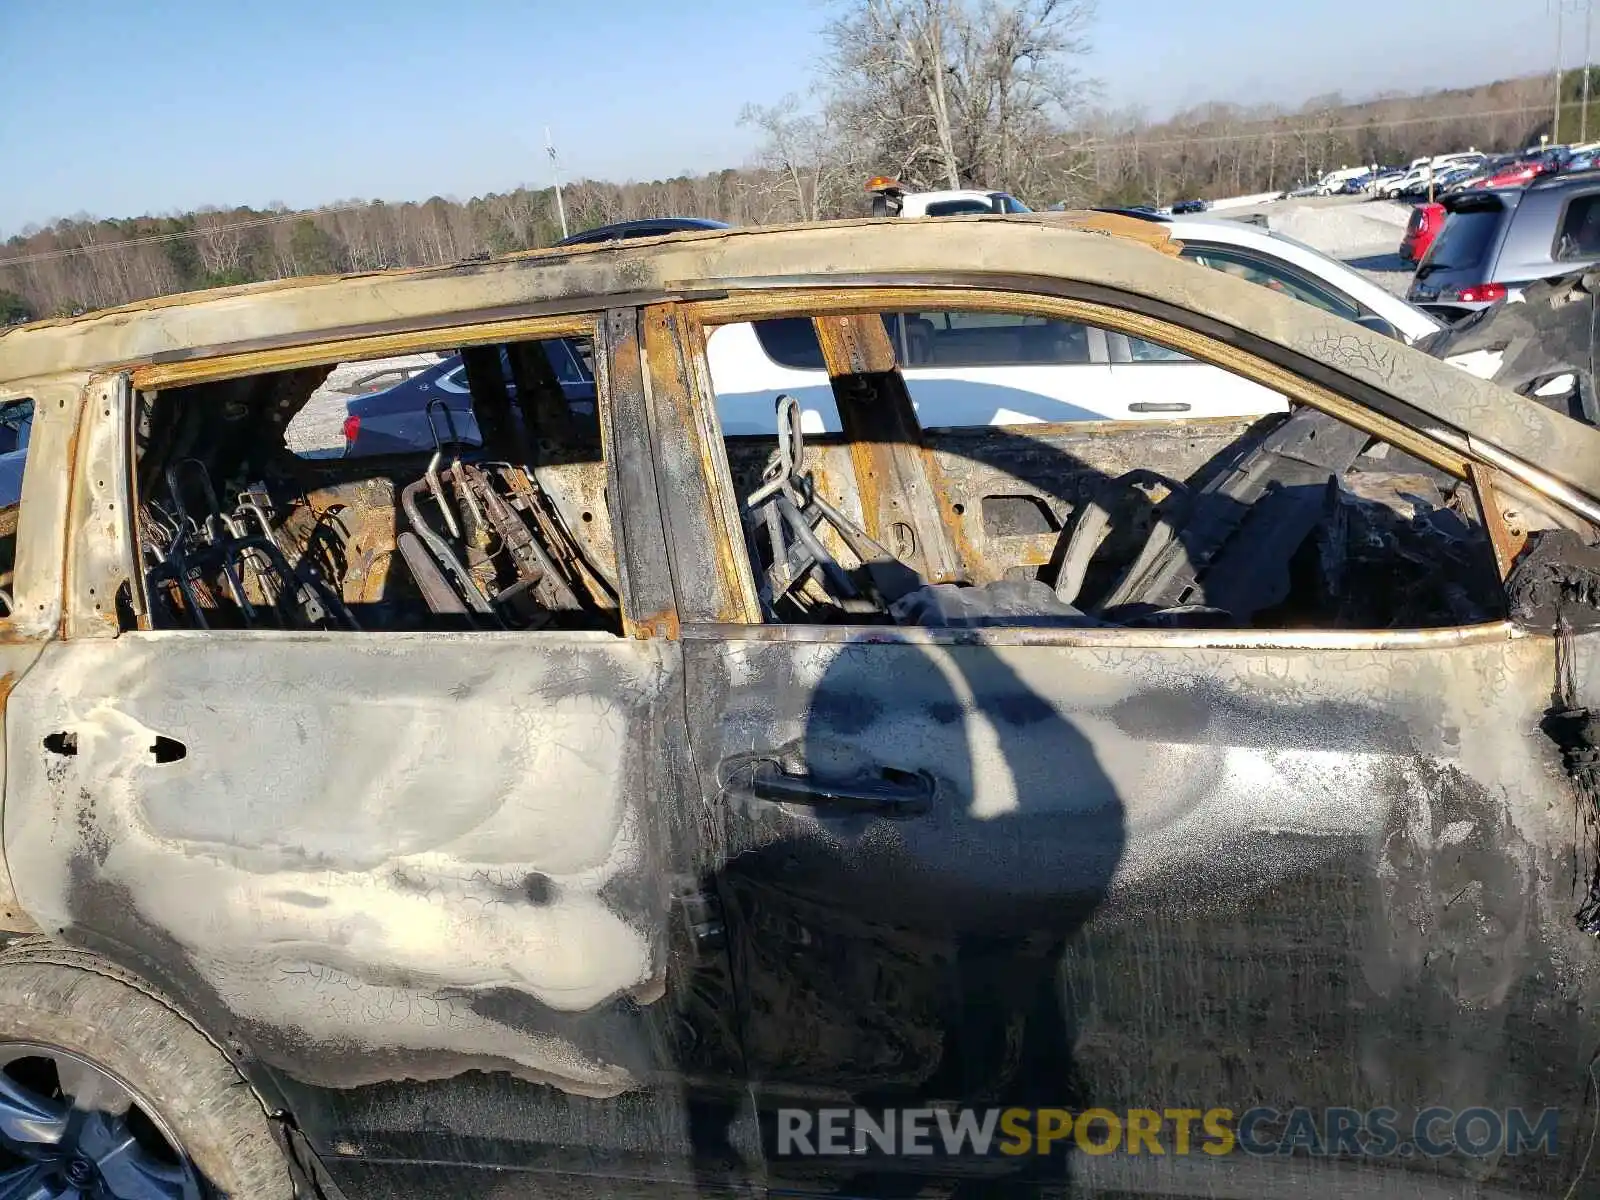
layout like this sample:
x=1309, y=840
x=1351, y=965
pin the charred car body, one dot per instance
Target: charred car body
x=552, y=818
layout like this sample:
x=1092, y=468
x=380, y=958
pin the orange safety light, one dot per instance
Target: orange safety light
x=882, y=183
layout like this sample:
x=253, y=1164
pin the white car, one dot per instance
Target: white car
x=974, y=368
x=889, y=199
x=986, y=368
x=1333, y=180
x=1421, y=169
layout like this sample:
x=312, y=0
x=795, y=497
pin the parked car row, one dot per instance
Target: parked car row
x=961, y=369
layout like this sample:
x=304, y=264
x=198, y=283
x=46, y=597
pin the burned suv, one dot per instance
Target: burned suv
x=620, y=807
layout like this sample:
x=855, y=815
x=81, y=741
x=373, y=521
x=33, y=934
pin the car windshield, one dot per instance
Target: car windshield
x=954, y=208
x=1464, y=242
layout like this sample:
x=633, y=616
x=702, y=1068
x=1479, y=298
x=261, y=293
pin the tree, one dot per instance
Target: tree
x=798, y=153
x=957, y=92
x=312, y=251
x=13, y=308
x=220, y=243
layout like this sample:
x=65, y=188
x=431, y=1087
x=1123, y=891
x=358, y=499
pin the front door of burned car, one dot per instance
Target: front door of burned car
x=1022, y=890
x=422, y=871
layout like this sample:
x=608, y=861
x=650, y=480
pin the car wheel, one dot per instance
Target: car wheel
x=105, y=1091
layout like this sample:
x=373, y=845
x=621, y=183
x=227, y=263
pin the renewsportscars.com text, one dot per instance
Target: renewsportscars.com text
x=1372, y=1133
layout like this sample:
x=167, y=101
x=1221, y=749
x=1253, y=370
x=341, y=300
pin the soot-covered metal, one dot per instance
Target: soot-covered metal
x=1186, y=765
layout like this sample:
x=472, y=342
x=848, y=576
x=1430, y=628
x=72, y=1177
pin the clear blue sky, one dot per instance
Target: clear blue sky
x=118, y=109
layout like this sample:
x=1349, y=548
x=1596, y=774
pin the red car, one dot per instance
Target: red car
x=1515, y=175
x=1424, y=225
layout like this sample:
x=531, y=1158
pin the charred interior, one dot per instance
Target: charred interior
x=494, y=515
x=491, y=515
x=1292, y=520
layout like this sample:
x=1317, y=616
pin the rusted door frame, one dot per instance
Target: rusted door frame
x=706, y=548
x=40, y=569
x=860, y=347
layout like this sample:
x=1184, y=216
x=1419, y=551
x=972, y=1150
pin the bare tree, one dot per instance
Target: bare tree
x=957, y=92
x=798, y=153
x=220, y=241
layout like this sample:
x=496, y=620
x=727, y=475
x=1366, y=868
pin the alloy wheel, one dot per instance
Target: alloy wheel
x=71, y=1129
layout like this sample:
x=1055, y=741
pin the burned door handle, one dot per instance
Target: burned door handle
x=1155, y=406
x=898, y=794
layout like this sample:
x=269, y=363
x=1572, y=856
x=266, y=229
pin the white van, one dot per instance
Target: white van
x=1334, y=180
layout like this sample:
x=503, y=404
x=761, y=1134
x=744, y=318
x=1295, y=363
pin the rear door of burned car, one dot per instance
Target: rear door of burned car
x=1194, y=840
x=38, y=446
x=412, y=845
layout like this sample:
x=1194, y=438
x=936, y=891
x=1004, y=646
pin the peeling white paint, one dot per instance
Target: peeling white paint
x=363, y=831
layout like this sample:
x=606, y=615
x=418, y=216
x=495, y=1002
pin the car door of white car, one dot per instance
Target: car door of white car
x=999, y=368
x=962, y=368
x=1152, y=381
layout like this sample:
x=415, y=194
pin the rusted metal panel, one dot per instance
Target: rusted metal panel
x=46, y=497
x=649, y=607
x=577, y=489
x=1506, y=533
x=100, y=553
x=1115, y=637
x=380, y=829
x=15, y=660
x=710, y=563
x=880, y=427
x=1141, y=854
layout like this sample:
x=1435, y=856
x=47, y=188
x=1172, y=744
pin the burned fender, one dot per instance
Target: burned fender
x=1548, y=333
x=1555, y=588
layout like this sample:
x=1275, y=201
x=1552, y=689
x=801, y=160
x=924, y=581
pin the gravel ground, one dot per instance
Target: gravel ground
x=1363, y=233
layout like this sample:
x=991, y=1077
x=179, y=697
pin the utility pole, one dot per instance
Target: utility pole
x=555, y=170
x=1583, y=113
x=1555, y=114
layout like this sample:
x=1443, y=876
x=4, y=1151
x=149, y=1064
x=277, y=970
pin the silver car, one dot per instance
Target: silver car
x=1495, y=239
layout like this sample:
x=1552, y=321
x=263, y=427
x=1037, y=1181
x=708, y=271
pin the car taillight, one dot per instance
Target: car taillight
x=352, y=426
x=1475, y=293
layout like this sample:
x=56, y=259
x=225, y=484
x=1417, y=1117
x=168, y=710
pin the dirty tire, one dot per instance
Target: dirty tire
x=120, y=1026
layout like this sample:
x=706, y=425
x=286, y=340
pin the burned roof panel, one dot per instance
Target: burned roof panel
x=1043, y=250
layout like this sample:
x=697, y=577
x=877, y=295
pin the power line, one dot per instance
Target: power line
x=1524, y=110
x=177, y=234
x=1129, y=140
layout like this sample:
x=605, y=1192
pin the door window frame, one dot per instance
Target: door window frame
x=872, y=299
x=1562, y=214
x=46, y=502
x=1254, y=260
x=98, y=576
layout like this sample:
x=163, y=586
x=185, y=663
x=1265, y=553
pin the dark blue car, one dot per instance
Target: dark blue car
x=16, y=425
x=395, y=419
x=650, y=227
